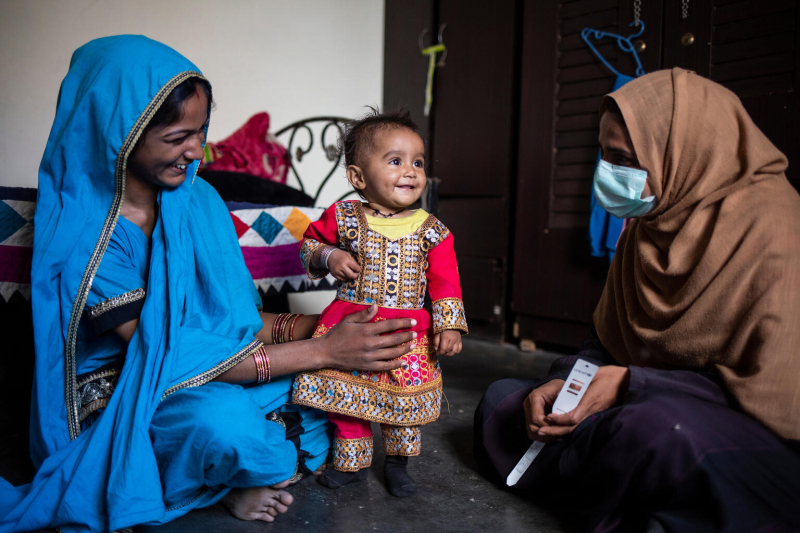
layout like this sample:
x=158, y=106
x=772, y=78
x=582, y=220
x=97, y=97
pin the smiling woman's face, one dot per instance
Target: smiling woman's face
x=616, y=146
x=161, y=157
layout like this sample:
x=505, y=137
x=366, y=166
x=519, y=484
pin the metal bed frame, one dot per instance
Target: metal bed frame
x=326, y=126
x=297, y=152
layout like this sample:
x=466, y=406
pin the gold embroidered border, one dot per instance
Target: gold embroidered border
x=70, y=385
x=98, y=375
x=92, y=407
x=118, y=301
x=307, y=250
x=224, y=366
x=448, y=313
x=386, y=404
x=351, y=455
x=202, y=492
x=402, y=441
x=95, y=390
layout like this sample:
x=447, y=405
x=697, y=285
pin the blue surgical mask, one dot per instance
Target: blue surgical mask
x=619, y=189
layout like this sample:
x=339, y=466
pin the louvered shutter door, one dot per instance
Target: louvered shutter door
x=750, y=47
x=754, y=52
x=556, y=283
x=582, y=82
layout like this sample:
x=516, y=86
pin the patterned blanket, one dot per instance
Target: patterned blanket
x=270, y=238
x=17, y=205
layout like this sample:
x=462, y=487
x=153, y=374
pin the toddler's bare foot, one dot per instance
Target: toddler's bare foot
x=258, y=503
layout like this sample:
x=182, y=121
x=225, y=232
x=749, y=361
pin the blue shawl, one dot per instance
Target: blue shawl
x=198, y=318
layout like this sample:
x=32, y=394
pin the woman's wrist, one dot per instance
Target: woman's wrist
x=623, y=377
x=319, y=357
x=305, y=326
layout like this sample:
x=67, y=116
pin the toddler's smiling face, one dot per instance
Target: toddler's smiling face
x=392, y=175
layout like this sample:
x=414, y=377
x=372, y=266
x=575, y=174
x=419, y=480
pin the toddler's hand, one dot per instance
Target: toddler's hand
x=447, y=343
x=342, y=266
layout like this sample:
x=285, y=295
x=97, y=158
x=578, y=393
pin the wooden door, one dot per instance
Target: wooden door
x=474, y=149
x=755, y=52
x=405, y=68
x=556, y=282
x=751, y=47
x=470, y=133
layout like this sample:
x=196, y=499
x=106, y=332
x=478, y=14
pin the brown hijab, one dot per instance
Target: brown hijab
x=711, y=278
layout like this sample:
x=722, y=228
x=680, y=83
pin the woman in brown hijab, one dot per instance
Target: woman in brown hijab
x=692, y=423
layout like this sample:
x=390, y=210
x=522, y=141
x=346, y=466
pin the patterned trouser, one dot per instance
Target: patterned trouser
x=352, y=448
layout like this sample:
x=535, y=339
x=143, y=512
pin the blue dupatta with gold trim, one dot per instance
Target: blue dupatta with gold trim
x=198, y=318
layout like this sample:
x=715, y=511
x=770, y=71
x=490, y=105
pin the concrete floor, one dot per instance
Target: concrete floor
x=452, y=495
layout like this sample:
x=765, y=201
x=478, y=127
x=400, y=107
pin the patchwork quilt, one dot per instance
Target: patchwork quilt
x=270, y=238
x=17, y=205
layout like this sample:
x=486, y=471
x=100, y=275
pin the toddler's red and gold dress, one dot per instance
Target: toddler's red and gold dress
x=399, y=260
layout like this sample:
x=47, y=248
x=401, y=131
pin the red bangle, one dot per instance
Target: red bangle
x=282, y=335
x=262, y=364
x=291, y=330
x=277, y=327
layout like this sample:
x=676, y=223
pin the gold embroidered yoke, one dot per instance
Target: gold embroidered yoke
x=394, y=272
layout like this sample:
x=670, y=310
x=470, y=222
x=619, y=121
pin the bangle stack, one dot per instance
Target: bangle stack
x=262, y=365
x=325, y=254
x=284, y=322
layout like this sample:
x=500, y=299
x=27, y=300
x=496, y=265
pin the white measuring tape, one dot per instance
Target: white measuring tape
x=567, y=400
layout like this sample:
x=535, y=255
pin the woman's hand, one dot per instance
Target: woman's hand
x=605, y=390
x=538, y=404
x=356, y=344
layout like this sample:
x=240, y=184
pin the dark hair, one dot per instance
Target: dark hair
x=613, y=107
x=171, y=110
x=358, y=136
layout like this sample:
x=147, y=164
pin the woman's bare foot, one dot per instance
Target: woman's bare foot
x=258, y=503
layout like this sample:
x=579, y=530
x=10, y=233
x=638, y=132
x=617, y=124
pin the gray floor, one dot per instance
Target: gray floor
x=452, y=496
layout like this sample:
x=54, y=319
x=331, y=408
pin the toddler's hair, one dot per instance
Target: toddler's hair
x=358, y=136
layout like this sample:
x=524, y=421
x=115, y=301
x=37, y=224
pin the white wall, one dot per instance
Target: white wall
x=292, y=58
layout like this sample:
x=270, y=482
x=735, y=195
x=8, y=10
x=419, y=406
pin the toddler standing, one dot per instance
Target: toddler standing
x=383, y=253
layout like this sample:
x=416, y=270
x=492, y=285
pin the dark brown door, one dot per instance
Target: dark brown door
x=755, y=52
x=405, y=68
x=556, y=282
x=471, y=132
x=474, y=147
x=750, y=47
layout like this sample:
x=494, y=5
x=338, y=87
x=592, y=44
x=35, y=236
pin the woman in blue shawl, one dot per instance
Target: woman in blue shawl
x=145, y=404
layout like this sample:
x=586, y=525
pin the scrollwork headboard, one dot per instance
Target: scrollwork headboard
x=314, y=128
x=321, y=129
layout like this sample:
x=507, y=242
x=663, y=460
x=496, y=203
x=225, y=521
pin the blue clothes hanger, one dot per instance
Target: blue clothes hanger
x=623, y=42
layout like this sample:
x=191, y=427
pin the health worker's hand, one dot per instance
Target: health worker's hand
x=605, y=391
